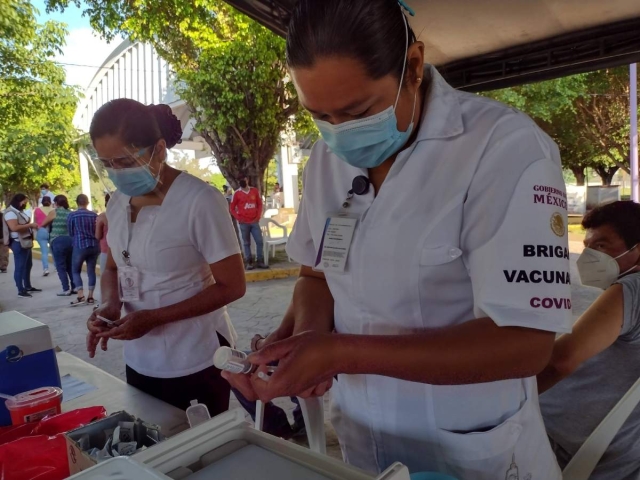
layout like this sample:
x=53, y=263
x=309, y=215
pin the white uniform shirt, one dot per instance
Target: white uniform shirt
x=470, y=222
x=172, y=245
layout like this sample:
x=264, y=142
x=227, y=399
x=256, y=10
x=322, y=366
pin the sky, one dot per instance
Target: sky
x=84, y=51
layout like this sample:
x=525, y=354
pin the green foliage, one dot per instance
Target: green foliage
x=218, y=181
x=36, y=107
x=191, y=166
x=586, y=114
x=228, y=68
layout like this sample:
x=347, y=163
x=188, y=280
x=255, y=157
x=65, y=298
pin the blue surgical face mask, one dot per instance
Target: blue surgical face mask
x=43, y=192
x=135, y=181
x=368, y=142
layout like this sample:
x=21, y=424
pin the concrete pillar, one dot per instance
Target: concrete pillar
x=84, y=174
x=289, y=181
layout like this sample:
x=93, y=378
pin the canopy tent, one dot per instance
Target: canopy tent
x=488, y=44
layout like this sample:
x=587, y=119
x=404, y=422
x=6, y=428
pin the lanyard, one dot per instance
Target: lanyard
x=126, y=257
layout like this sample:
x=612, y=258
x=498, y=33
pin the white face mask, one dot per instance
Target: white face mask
x=597, y=269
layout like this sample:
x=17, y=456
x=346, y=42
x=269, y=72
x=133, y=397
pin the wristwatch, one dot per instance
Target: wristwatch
x=254, y=341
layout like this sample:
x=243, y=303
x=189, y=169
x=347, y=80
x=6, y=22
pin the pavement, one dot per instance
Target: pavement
x=260, y=311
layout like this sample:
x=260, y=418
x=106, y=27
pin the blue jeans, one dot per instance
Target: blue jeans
x=24, y=261
x=62, y=248
x=81, y=255
x=248, y=230
x=43, y=240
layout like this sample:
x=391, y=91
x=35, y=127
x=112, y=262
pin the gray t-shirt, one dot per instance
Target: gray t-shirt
x=573, y=408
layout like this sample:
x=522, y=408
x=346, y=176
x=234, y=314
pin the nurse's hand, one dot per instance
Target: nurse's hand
x=306, y=366
x=135, y=325
x=106, y=310
x=92, y=344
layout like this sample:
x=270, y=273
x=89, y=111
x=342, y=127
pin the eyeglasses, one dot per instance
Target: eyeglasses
x=126, y=161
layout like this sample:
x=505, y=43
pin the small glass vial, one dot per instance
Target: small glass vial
x=232, y=360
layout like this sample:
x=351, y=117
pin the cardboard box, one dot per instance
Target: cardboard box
x=80, y=460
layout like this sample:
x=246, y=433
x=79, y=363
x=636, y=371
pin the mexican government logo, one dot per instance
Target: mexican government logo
x=557, y=224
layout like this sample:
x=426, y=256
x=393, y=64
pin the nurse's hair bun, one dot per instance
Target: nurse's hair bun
x=136, y=124
x=168, y=123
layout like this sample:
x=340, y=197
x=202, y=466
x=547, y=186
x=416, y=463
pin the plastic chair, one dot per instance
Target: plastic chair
x=269, y=241
x=313, y=414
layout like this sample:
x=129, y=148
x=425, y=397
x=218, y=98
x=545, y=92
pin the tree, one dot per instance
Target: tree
x=228, y=68
x=191, y=166
x=603, y=114
x=36, y=107
x=586, y=114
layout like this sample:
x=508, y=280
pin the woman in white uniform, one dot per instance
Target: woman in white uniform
x=174, y=261
x=445, y=299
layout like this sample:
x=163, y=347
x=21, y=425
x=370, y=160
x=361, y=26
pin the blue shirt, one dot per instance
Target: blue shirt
x=82, y=227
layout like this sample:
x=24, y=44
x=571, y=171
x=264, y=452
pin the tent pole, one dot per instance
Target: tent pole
x=633, y=100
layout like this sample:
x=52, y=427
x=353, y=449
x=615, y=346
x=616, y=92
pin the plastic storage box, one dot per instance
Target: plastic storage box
x=27, y=358
x=226, y=447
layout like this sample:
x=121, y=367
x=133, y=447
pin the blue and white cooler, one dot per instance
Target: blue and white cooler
x=27, y=358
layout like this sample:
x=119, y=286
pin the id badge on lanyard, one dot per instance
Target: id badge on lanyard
x=336, y=242
x=128, y=276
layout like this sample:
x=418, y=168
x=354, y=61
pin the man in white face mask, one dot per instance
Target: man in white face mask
x=599, y=361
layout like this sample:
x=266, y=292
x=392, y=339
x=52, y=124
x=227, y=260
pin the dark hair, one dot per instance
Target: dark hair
x=45, y=185
x=46, y=201
x=623, y=217
x=136, y=124
x=370, y=31
x=82, y=199
x=107, y=197
x=17, y=199
x=225, y=187
x=61, y=201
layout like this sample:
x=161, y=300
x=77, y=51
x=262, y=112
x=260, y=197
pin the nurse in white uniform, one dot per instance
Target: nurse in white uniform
x=434, y=295
x=174, y=261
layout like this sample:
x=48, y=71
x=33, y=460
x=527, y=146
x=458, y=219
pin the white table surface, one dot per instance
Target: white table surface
x=115, y=395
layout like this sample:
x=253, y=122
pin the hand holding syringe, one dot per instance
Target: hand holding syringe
x=236, y=361
x=110, y=323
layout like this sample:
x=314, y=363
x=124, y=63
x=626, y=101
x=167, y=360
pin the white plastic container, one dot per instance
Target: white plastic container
x=120, y=468
x=227, y=447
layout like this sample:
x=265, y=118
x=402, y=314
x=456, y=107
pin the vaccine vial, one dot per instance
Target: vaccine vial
x=232, y=360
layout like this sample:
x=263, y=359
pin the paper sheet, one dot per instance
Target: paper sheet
x=74, y=388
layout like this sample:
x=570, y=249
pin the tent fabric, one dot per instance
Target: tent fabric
x=483, y=45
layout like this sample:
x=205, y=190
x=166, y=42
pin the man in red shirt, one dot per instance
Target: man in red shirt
x=246, y=207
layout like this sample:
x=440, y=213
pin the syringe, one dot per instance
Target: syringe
x=236, y=361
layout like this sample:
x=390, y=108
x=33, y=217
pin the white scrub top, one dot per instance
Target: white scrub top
x=469, y=223
x=172, y=245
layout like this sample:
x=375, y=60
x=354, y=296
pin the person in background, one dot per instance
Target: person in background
x=86, y=248
x=45, y=192
x=102, y=228
x=246, y=207
x=174, y=262
x=594, y=366
x=42, y=236
x=278, y=200
x=19, y=235
x=4, y=249
x=61, y=244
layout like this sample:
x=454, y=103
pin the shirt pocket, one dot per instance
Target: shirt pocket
x=487, y=455
x=433, y=255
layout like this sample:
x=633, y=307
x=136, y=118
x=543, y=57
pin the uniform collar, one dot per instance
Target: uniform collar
x=441, y=115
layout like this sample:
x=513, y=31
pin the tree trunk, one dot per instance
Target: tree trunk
x=606, y=174
x=578, y=172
